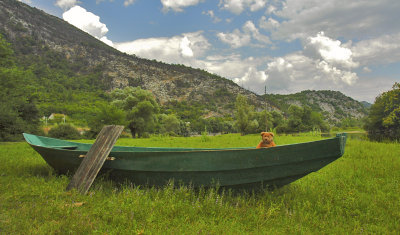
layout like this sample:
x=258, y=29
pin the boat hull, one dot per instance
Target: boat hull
x=231, y=168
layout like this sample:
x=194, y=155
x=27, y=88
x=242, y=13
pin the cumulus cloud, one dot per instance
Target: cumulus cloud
x=238, y=38
x=66, y=4
x=231, y=66
x=253, y=79
x=211, y=14
x=183, y=49
x=287, y=74
x=184, y=45
x=270, y=24
x=235, y=39
x=247, y=72
x=379, y=50
x=238, y=6
x=323, y=63
x=26, y=1
x=359, y=19
x=86, y=21
x=107, y=41
x=178, y=5
x=128, y=2
x=329, y=50
x=296, y=72
x=250, y=28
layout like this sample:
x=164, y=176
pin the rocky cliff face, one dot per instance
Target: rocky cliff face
x=35, y=33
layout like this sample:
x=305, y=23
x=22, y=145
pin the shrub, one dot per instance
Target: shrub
x=383, y=121
x=64, y=131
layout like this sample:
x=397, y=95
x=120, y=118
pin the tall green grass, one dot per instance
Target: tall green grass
x=358, y=193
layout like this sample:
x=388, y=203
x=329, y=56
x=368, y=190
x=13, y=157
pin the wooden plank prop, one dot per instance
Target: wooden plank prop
x=95, y=158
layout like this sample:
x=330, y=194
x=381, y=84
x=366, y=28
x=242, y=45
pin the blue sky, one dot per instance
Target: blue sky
x=288, y=46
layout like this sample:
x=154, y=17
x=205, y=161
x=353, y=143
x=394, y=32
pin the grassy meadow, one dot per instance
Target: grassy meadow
x=358, y=193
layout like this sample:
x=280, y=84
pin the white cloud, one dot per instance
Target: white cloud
x=178, y=5
x=66, y=4
x=211, y=14
x=249, y=27
x=296, y=72
x=381, y=50
x=85, y=21
x=270, y=24
x=235, y=39
x=257, y=5
x=231, y=66
x=271, y=9
x=128, y=2
x=238, y=6
x=26, y=1
x=358, y=19
x=184, y=45
x=107, y=41
x=238, y=39
x=247, y=72
x=252, y=79
x=182, y=49
x=335, y=74
x=329, y=50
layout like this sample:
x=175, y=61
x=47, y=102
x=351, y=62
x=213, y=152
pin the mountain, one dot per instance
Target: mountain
x=32, y=31
x=366, y=104
x=69, y=57
x=334, y=105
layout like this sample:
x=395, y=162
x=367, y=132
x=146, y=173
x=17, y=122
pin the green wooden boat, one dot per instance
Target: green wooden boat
x=227, y=167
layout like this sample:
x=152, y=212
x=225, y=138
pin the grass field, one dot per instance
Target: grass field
x=358, y=193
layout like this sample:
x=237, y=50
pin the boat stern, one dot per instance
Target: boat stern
x=342, y=140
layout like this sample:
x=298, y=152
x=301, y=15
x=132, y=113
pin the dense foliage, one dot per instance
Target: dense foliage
x=299, y=119
x=303, y=119
x=140, y=106
x=383, y=121
x=105, y=115
x=18, y=111
x=64, y=131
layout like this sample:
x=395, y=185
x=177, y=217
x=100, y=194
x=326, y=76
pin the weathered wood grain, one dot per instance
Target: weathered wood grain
x=95, y=158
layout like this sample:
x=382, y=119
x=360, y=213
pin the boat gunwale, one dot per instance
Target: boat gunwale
x=179, y=149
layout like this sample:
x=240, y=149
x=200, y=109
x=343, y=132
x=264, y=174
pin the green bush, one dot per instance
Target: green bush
x=383, y=121
x=64, y=131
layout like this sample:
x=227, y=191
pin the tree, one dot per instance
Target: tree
x=140, y=106
x=6, y=53
x=303, y=119
x=242, y=112
x=106, y=115
x=18, y=111
x=295, y=119
x=277, y=119
x=170, y=124
x=383, y=121
x=10, y=123
x=265, y=121
x=65, y=131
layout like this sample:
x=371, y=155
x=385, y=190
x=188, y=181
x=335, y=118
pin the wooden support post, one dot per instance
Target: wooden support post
x=95, y=158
